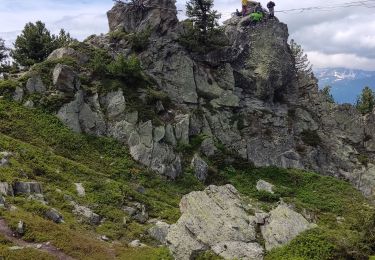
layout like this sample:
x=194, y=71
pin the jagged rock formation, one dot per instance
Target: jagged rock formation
x=246, y=97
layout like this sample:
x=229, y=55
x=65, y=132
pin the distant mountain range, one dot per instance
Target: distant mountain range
x=346, y=84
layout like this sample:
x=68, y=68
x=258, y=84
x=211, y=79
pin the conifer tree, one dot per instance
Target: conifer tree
x=326, y=92
x=36, y=42
x=204, y=19
x=302, y=63
x=366, y=101
x=3, y=51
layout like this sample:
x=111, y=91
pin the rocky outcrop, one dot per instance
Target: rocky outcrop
x=245, y=98
x=214, y=219
x=157, y=16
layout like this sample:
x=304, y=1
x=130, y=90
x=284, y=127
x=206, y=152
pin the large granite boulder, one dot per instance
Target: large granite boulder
x=27, y=188
x=214, y=219
x=67, y=52
x=35, y=85
x=65, y=79
x=283, y=225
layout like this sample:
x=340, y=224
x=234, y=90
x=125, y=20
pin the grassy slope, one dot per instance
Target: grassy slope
x=48, y=152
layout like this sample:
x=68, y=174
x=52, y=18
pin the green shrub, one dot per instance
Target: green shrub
x=311, y=138
x=52, y=103
x=98, y=62
x=139, y=41
x=267, y=196
x=326, y=92
x=124, y=68
x=193, y=41
x=118, y=35
x=208, y=255
x=153, y=96
x=36, y=42
x=7, y=87
x=366, y=101
x=363, y=159
x=311, y=245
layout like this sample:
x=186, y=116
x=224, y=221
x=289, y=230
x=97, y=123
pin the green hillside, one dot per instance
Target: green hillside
x=46, y=151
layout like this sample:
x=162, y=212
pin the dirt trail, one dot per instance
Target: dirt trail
x=45, y=247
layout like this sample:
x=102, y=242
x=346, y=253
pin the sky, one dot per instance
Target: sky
x=340, y=37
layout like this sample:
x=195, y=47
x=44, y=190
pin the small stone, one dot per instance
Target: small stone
x=15, y=248
x=2, y=201
x=80, y=189
x=86, y=213
x=104, y=238
x=6, y=189
x=265, y=186
x=141, y=217
x=141, y=190
x=159, y=107
x=12, y=208
x=54, y=215
x=20, y=228
x=159, y=231
x=18, y=94
x=29, y=104
x=136, y=243
x=4, y=158
x=129, y=210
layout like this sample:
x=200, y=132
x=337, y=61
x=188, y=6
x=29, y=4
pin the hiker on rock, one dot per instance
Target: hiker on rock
x=258, y=8
x=244, y=7
x=271, y=7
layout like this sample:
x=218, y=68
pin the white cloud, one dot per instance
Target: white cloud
x=351, y=61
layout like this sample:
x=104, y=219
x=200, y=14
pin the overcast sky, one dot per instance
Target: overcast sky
x=337, y=38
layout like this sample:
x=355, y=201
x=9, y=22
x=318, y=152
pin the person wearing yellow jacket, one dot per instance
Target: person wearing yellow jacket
x=244, y=7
